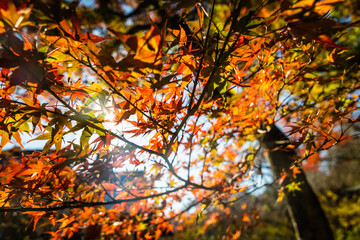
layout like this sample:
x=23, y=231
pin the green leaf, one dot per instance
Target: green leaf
x=78, y=127
x=85, y=136
x=239, y=26
x=47, y=146
x=203, y=208
x=44, y=136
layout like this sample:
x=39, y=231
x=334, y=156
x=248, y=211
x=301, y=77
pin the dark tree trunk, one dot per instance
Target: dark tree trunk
x=307, y=216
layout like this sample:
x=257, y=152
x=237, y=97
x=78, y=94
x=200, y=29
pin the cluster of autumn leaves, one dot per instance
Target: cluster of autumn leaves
x=191, y=102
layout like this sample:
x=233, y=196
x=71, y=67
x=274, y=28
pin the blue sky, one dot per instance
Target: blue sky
x=87, y=3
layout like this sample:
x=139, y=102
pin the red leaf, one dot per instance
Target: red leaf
x=328, y=42
x=93, y=37
x=4, y=5
x=75, y=22
x=30, y=72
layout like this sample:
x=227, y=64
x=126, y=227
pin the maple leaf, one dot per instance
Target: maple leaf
x=146, y=49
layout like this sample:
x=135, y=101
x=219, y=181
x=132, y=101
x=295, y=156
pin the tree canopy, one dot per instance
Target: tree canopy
x=146, y=109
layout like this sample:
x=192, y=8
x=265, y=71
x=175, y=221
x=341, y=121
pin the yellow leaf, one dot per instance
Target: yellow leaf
x=157, y=167
x=281, y=195
x=172, y=183
x=325, y=6
x=4, y=139
x=17, y=137
x=141, y=226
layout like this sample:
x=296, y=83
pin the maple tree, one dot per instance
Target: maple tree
x=181, y=92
